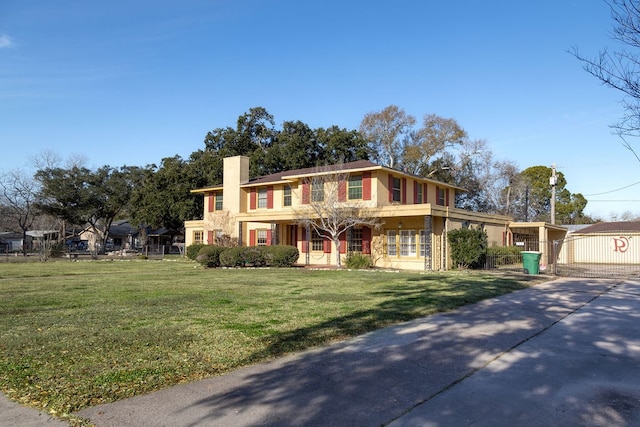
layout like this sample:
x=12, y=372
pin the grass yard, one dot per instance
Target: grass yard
x=76, y=334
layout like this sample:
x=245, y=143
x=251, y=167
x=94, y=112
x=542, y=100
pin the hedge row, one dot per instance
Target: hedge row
x=246, y=256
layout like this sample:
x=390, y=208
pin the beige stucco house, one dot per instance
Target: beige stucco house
x=415, y=214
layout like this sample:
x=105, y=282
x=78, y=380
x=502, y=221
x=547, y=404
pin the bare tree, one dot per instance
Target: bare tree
x=18, y=195
x=387, y=131
x=436, y=135
x=329, y=213
x=223, y=224
x=620, y=69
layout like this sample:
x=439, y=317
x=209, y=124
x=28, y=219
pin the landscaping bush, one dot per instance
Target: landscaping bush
x=232, y=257
x=259, y=256
x=254, y=256
x=468, y=247
x=193, y=250
x=281, y=255
x=356, y=260
x=209, y=255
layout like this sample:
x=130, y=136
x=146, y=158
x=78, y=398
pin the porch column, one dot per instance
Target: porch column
x=543, y=245
x=308, y=245
x=275, y=234
x=428, y=241
x=445, y=245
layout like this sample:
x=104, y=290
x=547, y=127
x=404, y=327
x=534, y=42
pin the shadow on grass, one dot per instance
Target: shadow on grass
x=427, y=295
x=372, y=380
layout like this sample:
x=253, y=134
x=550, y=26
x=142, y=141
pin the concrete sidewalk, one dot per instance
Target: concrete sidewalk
x=561, y=353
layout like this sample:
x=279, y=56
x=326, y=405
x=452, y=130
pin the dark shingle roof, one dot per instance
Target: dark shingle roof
x=360, y=164
x=610, y=227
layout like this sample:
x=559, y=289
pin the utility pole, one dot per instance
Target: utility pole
x=553, y=181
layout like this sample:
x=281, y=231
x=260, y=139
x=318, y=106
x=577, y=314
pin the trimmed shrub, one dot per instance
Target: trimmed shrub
x=259, y=256
x=468, y=247
x=254, y=256
x=209, y=255
x=281, y=255
x=193, y=250
x=232, y=257
x=356, y=260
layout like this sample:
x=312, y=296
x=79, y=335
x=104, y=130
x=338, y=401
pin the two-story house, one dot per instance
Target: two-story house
x=415, y=214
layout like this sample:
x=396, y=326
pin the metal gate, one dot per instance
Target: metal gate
x=602, y=255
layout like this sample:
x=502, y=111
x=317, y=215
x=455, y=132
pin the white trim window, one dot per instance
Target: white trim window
x=392, y=249
x=423, y=243
x=286, y=194
x=261, y=237
x=355, y=187
x=262, y=198
x=408, y=243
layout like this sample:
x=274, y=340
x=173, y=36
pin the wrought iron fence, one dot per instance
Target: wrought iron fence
x=610, y=255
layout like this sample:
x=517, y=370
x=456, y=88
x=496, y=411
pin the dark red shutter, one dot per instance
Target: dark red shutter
x=252, y=238
x=305, y=193
x=404, y=191
x=446, y=197
x=305, y=242
x=294, y=235
x=326, y=246
x=390, y=188
x=366, y=240
x=210, y=237
x=342, y=190
x=252, y=199
x=424, y=193
x=366, y=186
x=270, y=197
x=210, y=202
x=343, y=243
x=269, y=235
x=415, y=192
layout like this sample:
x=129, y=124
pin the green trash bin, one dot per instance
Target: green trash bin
x=531, y=261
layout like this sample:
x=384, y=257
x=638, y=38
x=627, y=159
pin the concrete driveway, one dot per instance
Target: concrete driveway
x=562, y=353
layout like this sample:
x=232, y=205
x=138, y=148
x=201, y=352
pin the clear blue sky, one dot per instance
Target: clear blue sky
x=131, y=82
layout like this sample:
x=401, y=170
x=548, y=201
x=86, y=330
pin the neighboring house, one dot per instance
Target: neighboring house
x=165, y=240
x=416, y=213
x=40, y=239
x=12, y=242
x=122, y=236
x=603, y=243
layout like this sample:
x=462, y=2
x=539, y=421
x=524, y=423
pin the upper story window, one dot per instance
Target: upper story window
x=441, y=196
x=286, y=194
x=262, y=197
x=317, y=191
x=397, y=189
x=419, y=197
x=355, y=187
x=218, y=201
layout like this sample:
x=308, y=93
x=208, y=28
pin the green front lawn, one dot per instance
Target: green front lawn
x=76, y=334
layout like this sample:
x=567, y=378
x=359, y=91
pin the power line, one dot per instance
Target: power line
x=613, y=191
